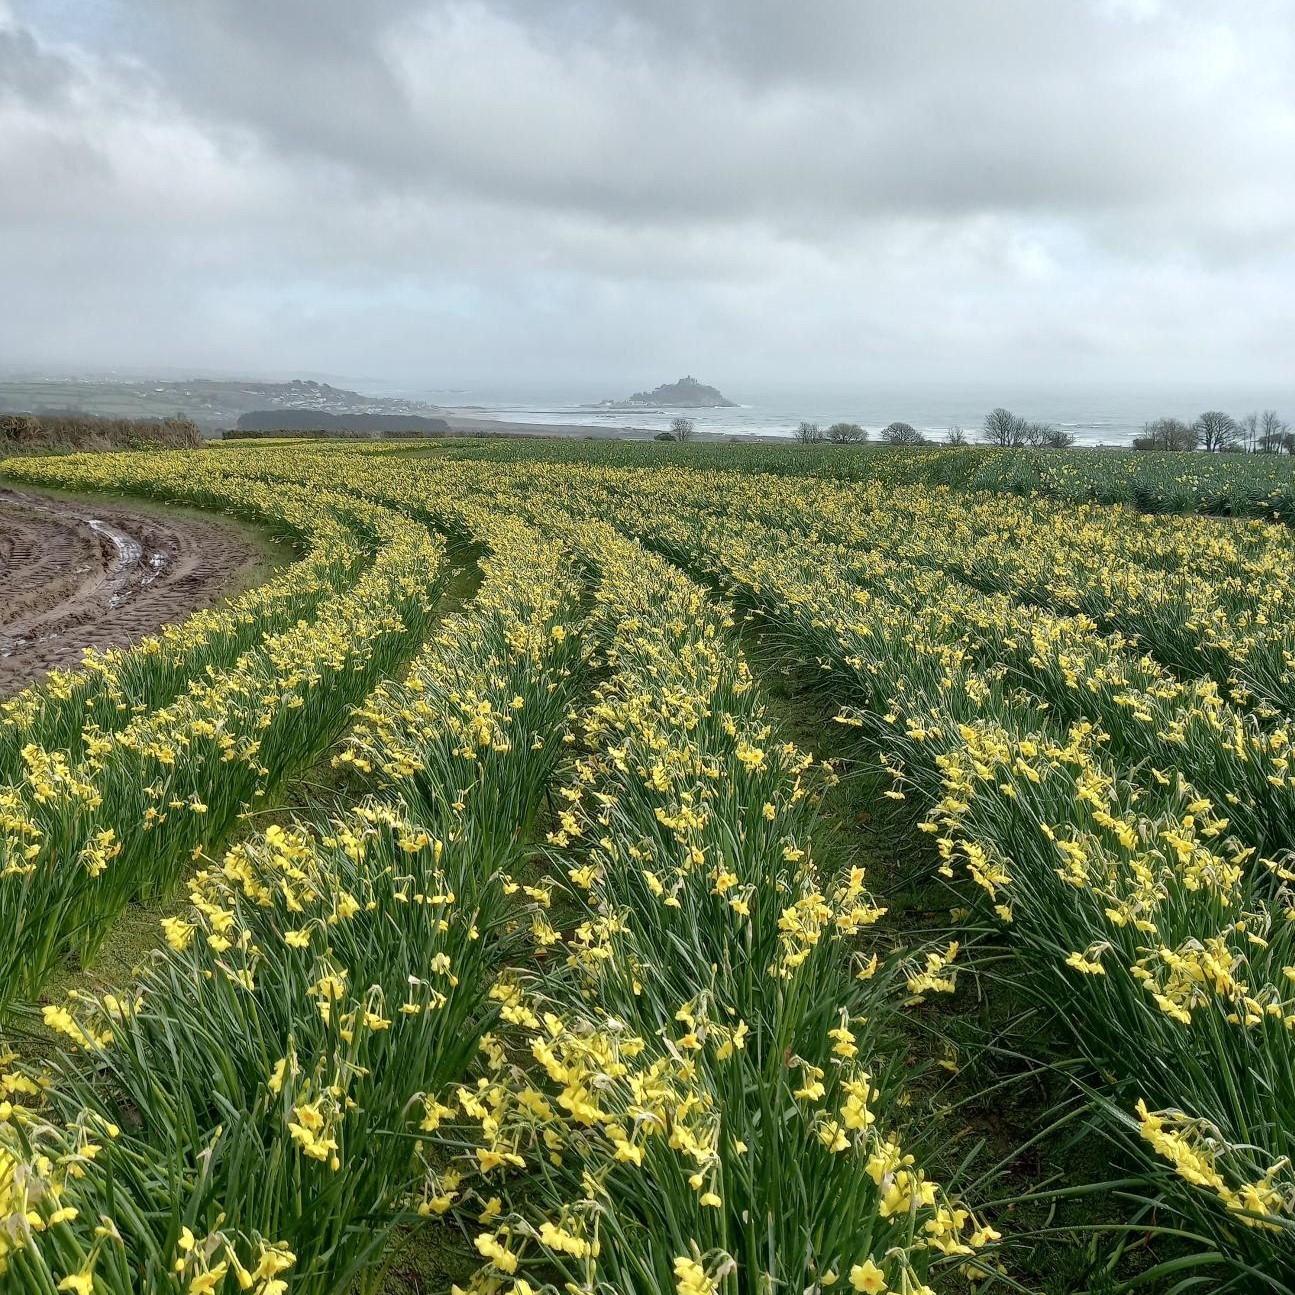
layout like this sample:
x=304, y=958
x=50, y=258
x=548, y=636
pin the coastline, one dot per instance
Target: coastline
x=469, y=424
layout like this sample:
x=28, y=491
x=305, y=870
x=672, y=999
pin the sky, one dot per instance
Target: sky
x=449, y=192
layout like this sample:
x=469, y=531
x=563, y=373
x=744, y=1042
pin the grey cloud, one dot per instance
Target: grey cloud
x=533, y=184
x=710, y=108
x=27, y=72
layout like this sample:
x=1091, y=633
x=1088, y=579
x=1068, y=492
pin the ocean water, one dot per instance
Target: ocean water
x=1109, y=415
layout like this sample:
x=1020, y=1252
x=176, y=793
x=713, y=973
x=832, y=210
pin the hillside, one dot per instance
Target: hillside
x=214, y=404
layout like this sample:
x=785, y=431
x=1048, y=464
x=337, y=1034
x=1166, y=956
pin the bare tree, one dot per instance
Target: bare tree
x=846, y=433
x=1167, y=434
x=954, y=435
x=1217, y=431
x=1274, y=434
x=682, y=429
x=1002, y=427
x=902, y=434
x=1248, y=431
x=808, y=434
x=1044, y=436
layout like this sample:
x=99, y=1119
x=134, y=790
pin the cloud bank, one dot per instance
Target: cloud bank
x=444, y=192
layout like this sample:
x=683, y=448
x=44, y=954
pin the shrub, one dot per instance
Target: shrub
x=1167, y=434
x=1002, y=427
x=21, y=433
x=1045, y=436
x=902, y=434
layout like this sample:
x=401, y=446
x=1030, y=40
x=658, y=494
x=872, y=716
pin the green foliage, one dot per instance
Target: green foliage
x=60, y=433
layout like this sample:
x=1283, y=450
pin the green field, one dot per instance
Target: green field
x=637, y=867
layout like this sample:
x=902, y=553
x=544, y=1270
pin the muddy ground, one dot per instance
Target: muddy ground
x=79, y=573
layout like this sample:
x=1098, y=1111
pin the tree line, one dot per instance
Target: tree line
x=1001, y=427
x=1213, y=431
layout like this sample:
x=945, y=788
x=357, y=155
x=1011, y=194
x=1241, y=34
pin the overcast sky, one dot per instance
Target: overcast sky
x=443, y=193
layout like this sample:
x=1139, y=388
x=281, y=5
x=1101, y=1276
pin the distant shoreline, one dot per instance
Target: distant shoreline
x=1108, y=416
x=511, y=427
x=595, y=431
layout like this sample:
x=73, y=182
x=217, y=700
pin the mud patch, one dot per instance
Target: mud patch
x=77, y=574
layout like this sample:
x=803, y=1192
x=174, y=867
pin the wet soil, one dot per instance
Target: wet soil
x=77, y=573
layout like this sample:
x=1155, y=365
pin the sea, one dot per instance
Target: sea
x=1098, y=415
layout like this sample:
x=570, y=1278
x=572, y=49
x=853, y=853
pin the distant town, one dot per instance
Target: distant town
x=212, y=404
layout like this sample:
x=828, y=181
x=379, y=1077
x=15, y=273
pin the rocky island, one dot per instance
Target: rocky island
x=687, y=393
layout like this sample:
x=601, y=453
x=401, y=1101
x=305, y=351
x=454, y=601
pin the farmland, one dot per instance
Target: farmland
x=646, y=868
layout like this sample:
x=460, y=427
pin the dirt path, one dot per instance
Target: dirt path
x=76, y=573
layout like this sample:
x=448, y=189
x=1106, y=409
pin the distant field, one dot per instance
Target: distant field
x=640, y=867
x=1222, y=484
x=108, y=400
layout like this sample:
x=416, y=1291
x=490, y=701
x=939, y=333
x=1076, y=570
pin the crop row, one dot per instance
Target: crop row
x=708, y=1113
x=1149, y=925
x=1207, y=601
x=119, y=814
x=243, y=1116
x=1227, y=485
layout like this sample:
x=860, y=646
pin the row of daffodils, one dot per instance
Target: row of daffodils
x=97, y=816
x=1126, y=824
x=687, y=1099
x=246, y=1115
